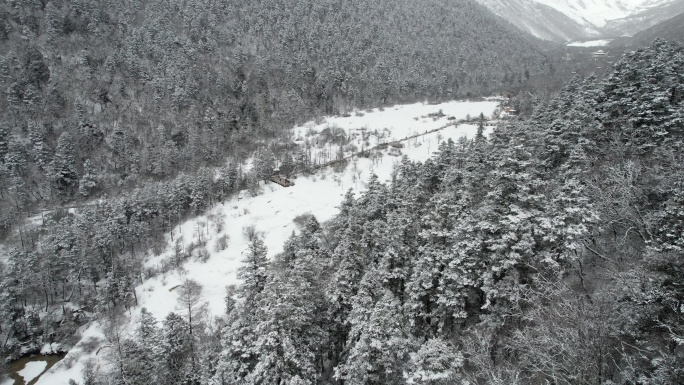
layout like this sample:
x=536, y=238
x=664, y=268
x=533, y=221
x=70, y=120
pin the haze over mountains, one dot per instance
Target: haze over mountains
x=564, y=20
x=671, y=29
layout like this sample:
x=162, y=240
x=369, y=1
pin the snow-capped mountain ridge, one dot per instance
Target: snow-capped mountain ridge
x=540, y=20
x=598, y=12
x=564, y=20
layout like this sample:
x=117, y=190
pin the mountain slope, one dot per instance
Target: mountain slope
x=671, y=29
x=146, y=89
x=646, y=19
x=275, y=210
x=538, y=19
x=563, y=20
x=478, y=254
x=598, y=12
x=127, y=109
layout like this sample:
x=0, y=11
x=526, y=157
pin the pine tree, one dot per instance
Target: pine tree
x=373, y=202
x=199, y=191
x=31, y=96
x=189, y=295
x=15, y=95
x=436, y=362
x=480, y=127
x=52, y=22
x=645, y=82
x=238, y=354
x=88, y=181
x=12, y=307
x=287, y=164
x=175, y=350
x=380, y=344
x=63, y=166
x=254, y=271
x=40, y=151
x=119, y=144
x=4, y=68
x=289, y=313
x=148, y=330
x=263, y=164
x=4, y=142
x=350, y=266
x=136, y=363
x=289, y=332
x=35, y=69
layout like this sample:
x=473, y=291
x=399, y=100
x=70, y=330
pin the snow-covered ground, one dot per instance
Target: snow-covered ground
x=366, y=129
x=591, y=43
x=598, y=12
x=32, y=370
x=273, y=210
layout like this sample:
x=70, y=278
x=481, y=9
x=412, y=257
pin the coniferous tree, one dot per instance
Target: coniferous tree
x=381, y=344
x=88, y=180
x=4, y=142
x=436, y=362
x=189, y=298
x=63, y=166
x=254, y=272
x=175, y=350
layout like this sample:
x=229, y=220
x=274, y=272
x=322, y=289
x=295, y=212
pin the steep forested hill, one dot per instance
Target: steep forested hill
x=118, y=106
x=549, y=252
x=99, y=94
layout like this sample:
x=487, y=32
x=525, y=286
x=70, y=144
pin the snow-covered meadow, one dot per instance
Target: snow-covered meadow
x=274, y=209
x=590, y=43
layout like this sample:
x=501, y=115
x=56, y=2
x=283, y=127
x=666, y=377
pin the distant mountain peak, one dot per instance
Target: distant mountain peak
x=563, y=20
x=598, y=13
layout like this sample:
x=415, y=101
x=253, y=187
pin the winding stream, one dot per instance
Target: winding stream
x=32, y=366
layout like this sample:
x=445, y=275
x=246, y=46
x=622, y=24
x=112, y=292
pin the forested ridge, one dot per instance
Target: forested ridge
x=548, y=252
x=103, y=95
x=142, y=113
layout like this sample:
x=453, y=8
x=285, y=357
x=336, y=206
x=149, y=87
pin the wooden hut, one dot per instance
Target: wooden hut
x=281, y=180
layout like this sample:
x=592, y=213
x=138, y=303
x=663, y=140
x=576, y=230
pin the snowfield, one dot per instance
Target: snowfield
x=32, y=370
x=273, y=210
x=591, y=43
x=598, y=12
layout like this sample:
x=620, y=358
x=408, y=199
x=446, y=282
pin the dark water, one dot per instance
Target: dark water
x=15, y=366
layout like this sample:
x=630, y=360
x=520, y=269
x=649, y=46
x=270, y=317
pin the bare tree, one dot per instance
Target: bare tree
x=189, y=298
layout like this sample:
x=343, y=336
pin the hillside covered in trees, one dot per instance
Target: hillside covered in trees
x=549, y=252
x=100, y=95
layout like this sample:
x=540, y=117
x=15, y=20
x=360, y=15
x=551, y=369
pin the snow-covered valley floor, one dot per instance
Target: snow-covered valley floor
x=590, y=43
x=273, y=210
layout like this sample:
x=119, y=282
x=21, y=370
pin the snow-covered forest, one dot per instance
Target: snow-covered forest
x=147, y=89
x=549, y=252
x=427, y=243
x=121, y=120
